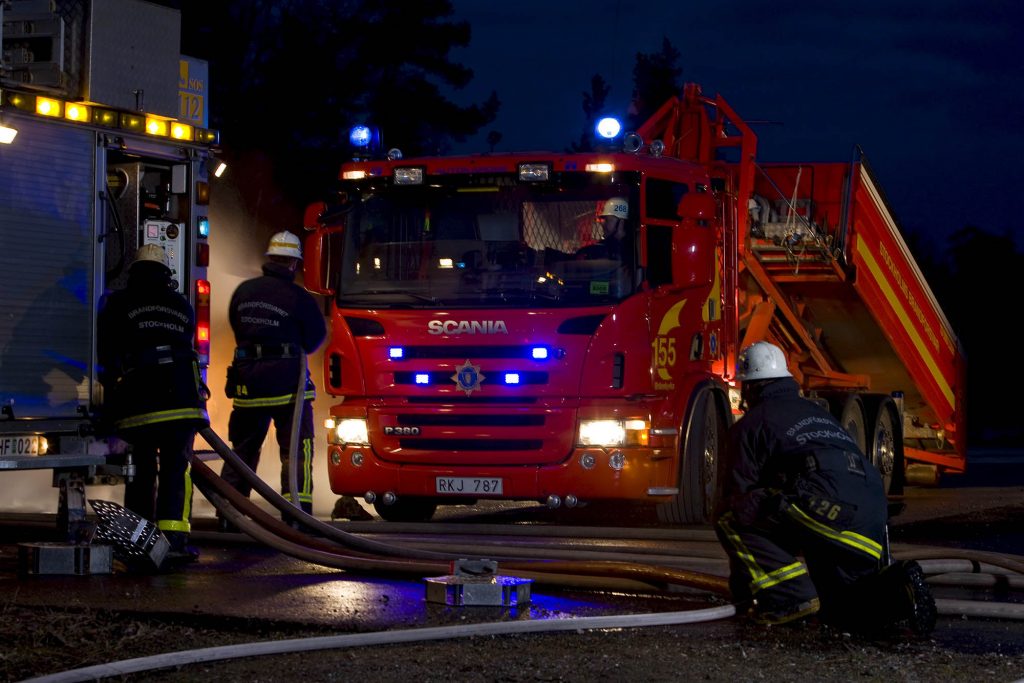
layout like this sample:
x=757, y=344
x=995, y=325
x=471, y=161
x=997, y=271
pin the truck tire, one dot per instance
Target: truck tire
x=699, y=466
x=851, y=416
x=885, y=448
x=407, y=510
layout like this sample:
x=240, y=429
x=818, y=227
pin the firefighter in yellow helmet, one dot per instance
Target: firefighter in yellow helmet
x=154, y=394
x=274, y=320
x=798, y=484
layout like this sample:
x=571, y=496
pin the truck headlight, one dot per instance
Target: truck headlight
x=612, y=433
x=349, y=431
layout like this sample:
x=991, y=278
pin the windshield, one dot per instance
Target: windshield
x=494, y=242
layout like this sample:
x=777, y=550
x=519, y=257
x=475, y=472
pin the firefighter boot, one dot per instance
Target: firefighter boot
x=883, y=604
x=782, y=614
x=180, y=552
x=918, y=605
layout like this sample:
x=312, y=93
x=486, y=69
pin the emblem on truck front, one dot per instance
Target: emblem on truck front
x=452, y=327
x=467, y=377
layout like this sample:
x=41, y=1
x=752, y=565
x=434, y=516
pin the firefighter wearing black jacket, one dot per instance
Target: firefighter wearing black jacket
x=799, y=484
x=274, y=320
x=154, y=394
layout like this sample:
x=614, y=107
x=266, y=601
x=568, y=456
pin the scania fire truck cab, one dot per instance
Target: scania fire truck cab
x=478, y=323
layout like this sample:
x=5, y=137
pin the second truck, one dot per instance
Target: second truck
x=485, y=346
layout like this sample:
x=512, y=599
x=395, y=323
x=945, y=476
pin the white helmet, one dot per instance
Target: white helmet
x=616, y=206
x=761, y=361
x=152, y=252
x=285, y=244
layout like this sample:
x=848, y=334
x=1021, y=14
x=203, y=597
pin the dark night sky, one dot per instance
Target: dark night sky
x=932, y=90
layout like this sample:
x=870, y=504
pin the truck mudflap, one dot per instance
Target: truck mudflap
x=587, y=474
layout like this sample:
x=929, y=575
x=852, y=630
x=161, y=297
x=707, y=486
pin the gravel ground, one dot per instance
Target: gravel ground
x=731, y=650
x=38, y=641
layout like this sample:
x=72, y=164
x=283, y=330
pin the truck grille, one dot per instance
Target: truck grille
x=451, y=420
x=491, y=445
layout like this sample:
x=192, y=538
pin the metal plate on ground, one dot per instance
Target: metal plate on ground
x=64, y=559
x=494, y=591
x=133, y=537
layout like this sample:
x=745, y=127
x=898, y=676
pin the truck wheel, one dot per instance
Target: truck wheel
x=882, y=452
x=699, y=467
x=406, y=510
x=852, y=418
x=885, y=449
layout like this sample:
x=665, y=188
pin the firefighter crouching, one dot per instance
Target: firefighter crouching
x=274, y=321
x=797, y=483
x=154, y=394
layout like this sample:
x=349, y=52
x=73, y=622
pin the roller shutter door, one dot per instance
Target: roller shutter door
x=47, y=261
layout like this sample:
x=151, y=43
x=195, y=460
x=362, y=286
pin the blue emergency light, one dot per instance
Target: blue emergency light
x=396, y=353
x=360, y=136
x=608, y=127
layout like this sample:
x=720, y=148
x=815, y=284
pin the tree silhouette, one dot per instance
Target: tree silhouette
x=655, y=79
x=594, y=103
x=983, y=268
x=290, y=77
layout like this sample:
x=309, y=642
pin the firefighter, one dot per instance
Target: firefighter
x=274, y=320
x=612, y=217
x=799, y=484
x=155, y=396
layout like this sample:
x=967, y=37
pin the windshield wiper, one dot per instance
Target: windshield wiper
x=517, y=293
x=390, y=292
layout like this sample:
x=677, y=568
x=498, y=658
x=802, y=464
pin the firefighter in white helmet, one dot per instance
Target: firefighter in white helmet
x=798, y=483
x=274, y=320
x=154, y=394
x=612, y=216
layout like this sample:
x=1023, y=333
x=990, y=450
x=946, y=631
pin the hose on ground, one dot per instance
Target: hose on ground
x=996, y=559
x=224, y=652
x=978, y=608
x=238, y=509
x=326, y=530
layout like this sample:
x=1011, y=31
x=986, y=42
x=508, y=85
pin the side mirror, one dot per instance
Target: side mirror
x=693, y=243
x=316, y=273
x=311, y=217
x=698, y=207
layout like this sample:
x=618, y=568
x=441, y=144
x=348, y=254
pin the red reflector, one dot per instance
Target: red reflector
x=203, y=255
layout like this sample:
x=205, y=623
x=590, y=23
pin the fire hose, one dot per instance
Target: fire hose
x=263, y=527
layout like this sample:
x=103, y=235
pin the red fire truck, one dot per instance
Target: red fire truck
x=491, y=338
